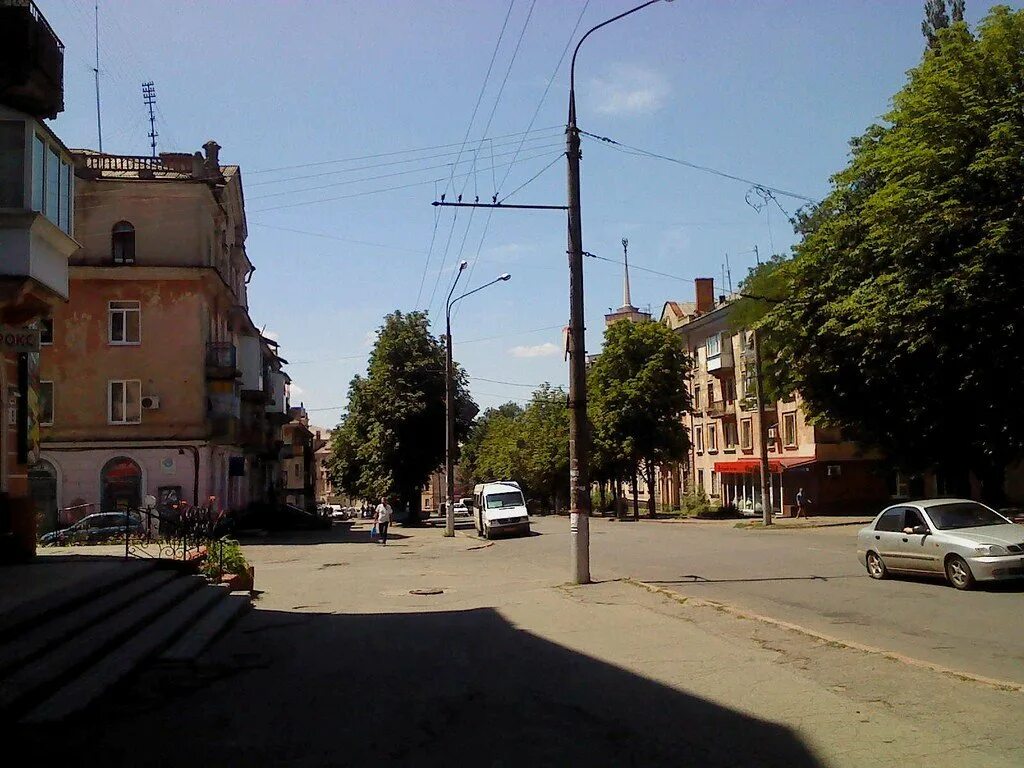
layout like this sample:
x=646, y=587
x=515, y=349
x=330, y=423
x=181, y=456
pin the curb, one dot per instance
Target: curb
x=776, y=526
x=1002, y=685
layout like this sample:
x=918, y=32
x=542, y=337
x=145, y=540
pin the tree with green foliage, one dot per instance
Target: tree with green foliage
x=529, y=445
x=491, y=451
x=391, y=436
x=545, y=445
x=937, y=16
x=900, y=320
x=638, y=398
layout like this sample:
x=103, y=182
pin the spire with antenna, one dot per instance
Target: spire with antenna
x=627, y=301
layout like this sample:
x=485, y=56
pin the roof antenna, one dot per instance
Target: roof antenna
x=728, y=274
x=149, y=97
x=96, y=73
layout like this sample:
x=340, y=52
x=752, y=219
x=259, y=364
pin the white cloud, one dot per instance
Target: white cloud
x=537, y=350
x=370, y=339
x=296, y=390
x=272, y=335
x=629, y=90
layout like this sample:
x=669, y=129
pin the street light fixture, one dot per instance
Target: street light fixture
x=449, y=397
x=579, y=438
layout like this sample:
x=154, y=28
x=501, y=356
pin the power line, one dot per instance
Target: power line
x=465, y=138
x=534, y=177
x=393, y=152
x=435, y=156
x=494, y=109
x=705, y=168
x=547, y=87
x=336, y=237
x=546, y=147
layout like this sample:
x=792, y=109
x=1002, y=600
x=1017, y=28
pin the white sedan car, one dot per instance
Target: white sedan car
x=957, y=538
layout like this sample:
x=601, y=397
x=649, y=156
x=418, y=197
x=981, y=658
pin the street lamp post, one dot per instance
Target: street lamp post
x=579, y=438
x=449, y=397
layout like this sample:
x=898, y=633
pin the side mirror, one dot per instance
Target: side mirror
x=921, y=530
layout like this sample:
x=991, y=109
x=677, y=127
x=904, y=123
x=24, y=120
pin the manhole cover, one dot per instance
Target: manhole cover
x=434, y=591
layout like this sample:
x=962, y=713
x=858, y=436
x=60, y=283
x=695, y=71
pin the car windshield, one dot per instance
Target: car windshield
x=503, y=500
x=966, y=514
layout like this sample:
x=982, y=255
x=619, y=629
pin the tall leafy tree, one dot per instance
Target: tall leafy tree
x=391, y=436
x=545, y=445
x=639, y=398
x=937, y=16
x=491, y=451
x=902, y=320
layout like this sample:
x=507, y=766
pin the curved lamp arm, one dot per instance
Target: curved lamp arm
x=498, y=279
x=572, y=66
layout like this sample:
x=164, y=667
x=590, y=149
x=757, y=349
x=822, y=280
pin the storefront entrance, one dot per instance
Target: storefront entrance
x=120, y=485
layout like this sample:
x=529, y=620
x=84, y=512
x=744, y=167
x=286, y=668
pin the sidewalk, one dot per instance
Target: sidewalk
x=341, y=664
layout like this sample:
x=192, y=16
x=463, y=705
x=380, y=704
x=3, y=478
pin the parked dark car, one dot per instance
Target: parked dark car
x=99, y=527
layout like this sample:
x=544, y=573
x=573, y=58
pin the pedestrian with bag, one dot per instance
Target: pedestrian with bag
x=384, y=513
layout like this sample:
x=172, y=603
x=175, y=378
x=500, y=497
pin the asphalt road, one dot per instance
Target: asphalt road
x=810, y=577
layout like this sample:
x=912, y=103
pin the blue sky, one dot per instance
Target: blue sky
x=770, y=91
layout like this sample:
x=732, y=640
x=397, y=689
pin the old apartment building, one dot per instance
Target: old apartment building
x=726, y=428
x=154, y=378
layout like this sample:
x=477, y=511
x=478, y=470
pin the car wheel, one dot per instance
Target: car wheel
x=959, y=572
x=876, y=568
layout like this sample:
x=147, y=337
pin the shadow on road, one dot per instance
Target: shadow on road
x=418, y=689
x=340, y=533
x=694, y=579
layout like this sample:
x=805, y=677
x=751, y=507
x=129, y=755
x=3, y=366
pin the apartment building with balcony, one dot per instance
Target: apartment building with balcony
x=726, y=429
x=298, y=460
x=154, y=378
x=36, y=220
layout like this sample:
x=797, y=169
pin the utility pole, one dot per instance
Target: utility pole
x=149, y=97
x=579, y=439
x=766, y=509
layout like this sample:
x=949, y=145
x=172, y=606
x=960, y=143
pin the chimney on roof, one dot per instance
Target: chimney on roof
x=704, y=287
x=721, y=299
x=212, y=149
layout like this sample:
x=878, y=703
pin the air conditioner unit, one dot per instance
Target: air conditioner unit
x=773, y=432
x=833, y=470
x=151, y=402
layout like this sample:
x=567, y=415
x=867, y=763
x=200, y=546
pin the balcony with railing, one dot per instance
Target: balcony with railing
x=221, y=360
x=716, y=409
x=31, y=60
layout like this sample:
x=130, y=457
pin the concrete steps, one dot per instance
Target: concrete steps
x=65, y=652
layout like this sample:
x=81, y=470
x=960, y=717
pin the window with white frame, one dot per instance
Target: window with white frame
x=713, y=345
x=125, y=322
x=124, y=401
x=696, y=398
x=700, y=479
x=46, y=403
x=714, y=482
x=698, y=439
x=789, y=429
x=712, y=437
x=746, y=434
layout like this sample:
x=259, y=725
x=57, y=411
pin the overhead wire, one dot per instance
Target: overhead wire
x=490, y=118
x=628, y=149
x=387, y=163
x=465, y=138
x=547, y=87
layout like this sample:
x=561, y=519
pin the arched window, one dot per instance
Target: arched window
x=122, y=243
x=120, y=485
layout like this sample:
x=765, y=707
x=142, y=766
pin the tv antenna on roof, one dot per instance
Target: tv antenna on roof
x=149, y=96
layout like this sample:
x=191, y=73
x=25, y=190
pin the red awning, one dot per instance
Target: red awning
x=745, y=466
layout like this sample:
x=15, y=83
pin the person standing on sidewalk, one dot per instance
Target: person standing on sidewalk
x=384, y=513
x=802, y=502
